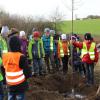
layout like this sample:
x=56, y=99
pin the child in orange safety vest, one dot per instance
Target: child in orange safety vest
x=16, y=70
x=63, y=52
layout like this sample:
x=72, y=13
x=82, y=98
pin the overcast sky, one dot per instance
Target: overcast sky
x=47, y=7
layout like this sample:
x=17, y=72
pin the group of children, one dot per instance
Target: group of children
x=47, y=53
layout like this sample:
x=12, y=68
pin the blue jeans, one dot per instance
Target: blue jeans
x=1, y=91
x=1, y=96
x=16, y=96
x=89, y=73
x=37, y=66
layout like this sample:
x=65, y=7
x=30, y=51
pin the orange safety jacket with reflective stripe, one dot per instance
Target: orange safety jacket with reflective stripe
x=14, y=74
x=64, y=47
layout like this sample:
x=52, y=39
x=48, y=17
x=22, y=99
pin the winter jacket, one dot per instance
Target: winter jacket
x=24, y=44
x=3, y=49
x=46, y=45
x=65, y=48
x=3, y=46
x=56, y=38
x=86, y=57
x=1, y=76
x=35, y=49
x=76, y=55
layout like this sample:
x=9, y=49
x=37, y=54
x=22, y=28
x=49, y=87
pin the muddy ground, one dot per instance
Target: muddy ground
x=57, y=87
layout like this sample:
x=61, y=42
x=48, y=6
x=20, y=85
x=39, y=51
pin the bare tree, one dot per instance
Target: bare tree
x=24, y=23
x=57, y=18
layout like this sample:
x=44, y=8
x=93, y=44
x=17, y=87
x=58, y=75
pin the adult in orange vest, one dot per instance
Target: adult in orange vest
x=16, y=70
x=89, y=56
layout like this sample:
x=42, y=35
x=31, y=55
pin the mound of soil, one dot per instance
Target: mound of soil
x=55, y=86
x=52, y=87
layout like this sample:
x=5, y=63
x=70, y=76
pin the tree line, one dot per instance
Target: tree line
x=28, y=23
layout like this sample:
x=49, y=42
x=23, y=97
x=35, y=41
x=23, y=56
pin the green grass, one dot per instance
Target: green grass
x=82, y=26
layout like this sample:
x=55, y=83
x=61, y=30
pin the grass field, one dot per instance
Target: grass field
x=82, y=26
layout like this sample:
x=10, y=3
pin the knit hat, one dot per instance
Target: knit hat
x=36, y=34
x=22, y=33
x=4, y=30
x=15, y=44
x=63, y=37
x=88, y=36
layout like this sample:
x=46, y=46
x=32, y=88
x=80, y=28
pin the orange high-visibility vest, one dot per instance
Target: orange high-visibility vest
x=14, y=74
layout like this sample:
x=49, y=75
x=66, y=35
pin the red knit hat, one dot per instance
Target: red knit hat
x=36, y=34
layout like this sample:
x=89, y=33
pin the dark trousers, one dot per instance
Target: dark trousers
x=83, y=69
x=47, y=62
x=1, y=91
x=89, y=73
x=78, y=68
x=57, y=62
x=49, y=59
x=65, y=63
